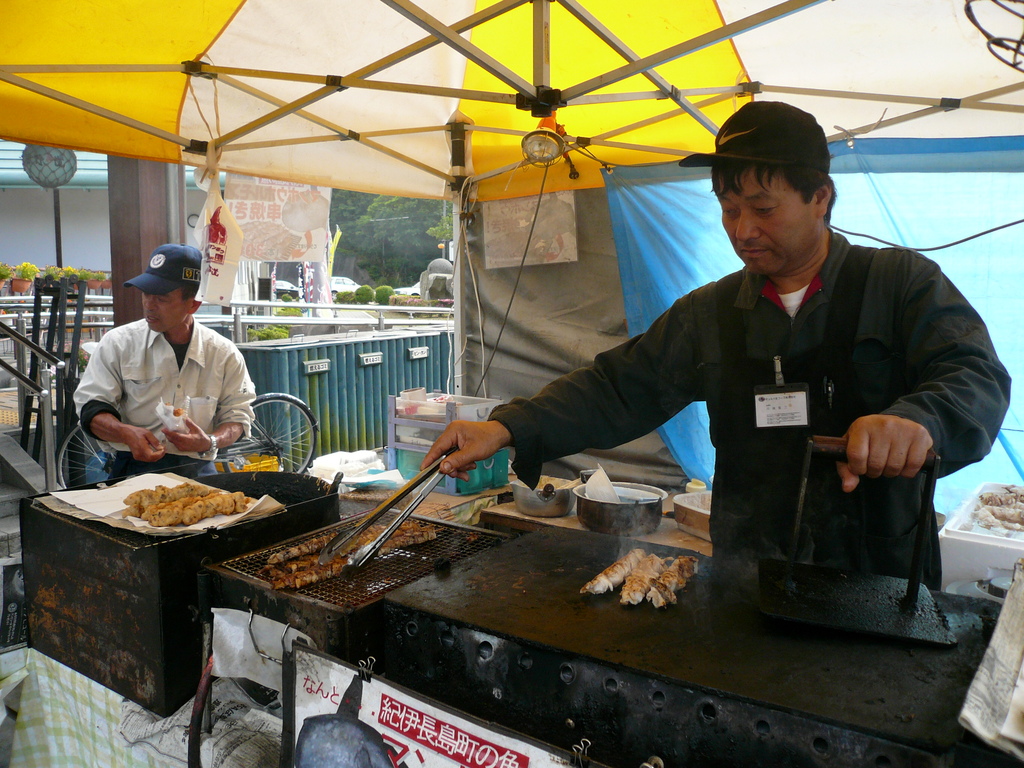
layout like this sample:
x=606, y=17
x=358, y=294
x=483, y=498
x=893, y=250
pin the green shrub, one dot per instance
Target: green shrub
x=345, y=297
x=364, y=294
x=269, y=332
x=288, y=312
x=6, y=271
x=383, y=294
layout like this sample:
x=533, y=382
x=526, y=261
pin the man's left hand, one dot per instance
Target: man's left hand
x=883, y=446
x=192, y=440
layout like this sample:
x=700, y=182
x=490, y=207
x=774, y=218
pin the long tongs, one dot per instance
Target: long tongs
x=344, y=543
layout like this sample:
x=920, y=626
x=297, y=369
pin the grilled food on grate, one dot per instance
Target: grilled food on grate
x=295, y=567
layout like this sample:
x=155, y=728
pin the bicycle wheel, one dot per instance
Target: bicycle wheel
x=283, y=436
x=81, y=460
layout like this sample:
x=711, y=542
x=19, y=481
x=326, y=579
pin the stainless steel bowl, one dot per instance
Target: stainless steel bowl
x=536, y=503
x=626, y=517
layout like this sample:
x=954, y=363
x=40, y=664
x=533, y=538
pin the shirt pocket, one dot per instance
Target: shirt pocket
x=879, y=370
x=139, y=383
x=202, y=411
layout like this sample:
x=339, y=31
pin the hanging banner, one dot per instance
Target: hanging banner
x=281, y=221
x=508, y=223
x=348, y=714
x=219, y=238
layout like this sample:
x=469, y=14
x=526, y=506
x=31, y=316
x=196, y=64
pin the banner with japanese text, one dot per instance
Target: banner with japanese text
x=338, y=711
x=281, y=221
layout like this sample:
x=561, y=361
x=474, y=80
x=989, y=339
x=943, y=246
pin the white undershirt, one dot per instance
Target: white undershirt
x=792, y=301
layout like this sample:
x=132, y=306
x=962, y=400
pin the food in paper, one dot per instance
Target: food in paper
x=298, y=566
x=644, y=576
x=171, y=417
x=137, y=502
x=184, y=504
x=612, y=576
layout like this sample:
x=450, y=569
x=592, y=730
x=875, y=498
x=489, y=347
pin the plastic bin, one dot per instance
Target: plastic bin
x=450, y=408
x=492, y=473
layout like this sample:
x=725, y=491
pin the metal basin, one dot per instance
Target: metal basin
x=628, y=516
x=536, y=503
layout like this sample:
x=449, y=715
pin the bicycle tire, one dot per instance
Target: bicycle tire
x=284, y=432
x=81, y=460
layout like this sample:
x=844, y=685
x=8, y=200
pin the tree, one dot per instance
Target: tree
x=388, y=235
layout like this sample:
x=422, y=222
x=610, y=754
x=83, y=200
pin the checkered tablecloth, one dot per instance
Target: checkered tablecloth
x=68, y=721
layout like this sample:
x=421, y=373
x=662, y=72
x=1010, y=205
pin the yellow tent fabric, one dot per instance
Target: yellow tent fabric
x=357, y=94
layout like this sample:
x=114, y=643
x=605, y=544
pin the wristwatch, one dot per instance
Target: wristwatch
x=211, y=452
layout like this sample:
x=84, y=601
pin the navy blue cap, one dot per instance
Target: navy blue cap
x=770, y=132
x=171, y=266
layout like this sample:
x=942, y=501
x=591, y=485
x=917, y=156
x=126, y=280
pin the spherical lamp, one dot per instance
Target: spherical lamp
x=51, y=167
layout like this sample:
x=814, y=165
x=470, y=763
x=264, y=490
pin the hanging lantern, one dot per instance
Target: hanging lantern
x=49, y=167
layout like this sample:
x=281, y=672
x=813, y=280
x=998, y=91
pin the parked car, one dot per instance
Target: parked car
x=283, y=286
x=412, y=290
x=339, y=284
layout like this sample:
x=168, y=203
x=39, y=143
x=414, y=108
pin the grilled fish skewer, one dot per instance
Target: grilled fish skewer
x=608, y=579
x=639, y=582
x=673, y=578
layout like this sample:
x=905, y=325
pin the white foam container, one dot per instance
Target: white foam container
x=693, y=513
x=969, y=555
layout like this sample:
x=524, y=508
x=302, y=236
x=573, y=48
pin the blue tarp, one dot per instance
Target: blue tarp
x=916, y=192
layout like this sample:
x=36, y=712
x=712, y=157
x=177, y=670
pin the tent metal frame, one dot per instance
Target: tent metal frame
x=539, y=96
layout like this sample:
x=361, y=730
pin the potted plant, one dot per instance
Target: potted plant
x=71, y=274
x=24, y=274
x=91, y=277
x=51, y=274
x=6, y=273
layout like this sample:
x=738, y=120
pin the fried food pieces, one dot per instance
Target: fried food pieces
x=644, y=576
x=137, y=502
x=183, y=504
x=297, y=566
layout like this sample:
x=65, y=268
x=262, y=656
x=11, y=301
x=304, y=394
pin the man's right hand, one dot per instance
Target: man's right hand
x=144, y=445
x=475, y=440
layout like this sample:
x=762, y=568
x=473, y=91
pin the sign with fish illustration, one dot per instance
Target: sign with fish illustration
x=345, y=717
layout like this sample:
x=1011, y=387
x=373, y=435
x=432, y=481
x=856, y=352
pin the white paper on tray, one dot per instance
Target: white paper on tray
x=109, y=503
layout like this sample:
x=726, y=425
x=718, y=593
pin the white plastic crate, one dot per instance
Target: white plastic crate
x=970, y=552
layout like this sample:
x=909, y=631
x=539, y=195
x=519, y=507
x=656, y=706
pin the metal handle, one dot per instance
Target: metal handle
x=835, y=447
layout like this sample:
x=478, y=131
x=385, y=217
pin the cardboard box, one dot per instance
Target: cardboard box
x=693, y=513
x=970, y=552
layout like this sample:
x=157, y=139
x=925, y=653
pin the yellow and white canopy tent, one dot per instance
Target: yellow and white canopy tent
x=371, y=95
x=361, y=94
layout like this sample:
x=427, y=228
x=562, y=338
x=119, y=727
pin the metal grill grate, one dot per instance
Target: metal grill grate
x=387, y=570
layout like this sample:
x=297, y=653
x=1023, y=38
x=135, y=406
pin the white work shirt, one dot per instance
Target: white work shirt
x=134, y=369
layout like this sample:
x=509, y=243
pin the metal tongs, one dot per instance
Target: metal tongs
x=342, y=543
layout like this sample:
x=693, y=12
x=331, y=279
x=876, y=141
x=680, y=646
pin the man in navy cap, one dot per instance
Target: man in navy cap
x=166, y=368
x=814, y=336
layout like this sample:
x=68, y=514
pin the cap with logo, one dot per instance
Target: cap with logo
x=768, y=132
x=171, y=266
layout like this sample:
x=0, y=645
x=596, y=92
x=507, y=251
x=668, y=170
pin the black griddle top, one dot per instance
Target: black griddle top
x=715, y=638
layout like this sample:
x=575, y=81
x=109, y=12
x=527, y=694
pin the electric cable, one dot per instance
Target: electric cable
x=515, y=287
x=933, y=248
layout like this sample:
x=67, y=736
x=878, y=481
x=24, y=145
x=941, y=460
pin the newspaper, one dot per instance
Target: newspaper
x=994, y=707
x=244, y=735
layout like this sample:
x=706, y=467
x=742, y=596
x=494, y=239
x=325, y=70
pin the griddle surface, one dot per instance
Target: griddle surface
x=714, y=638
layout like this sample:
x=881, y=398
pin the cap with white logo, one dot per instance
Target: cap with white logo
x=171, y=266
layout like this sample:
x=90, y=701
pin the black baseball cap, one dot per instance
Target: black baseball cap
x=171, y=266
x=768, y=132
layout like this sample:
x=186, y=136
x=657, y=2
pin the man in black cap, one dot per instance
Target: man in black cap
x=814, y=336
x=165, y=392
